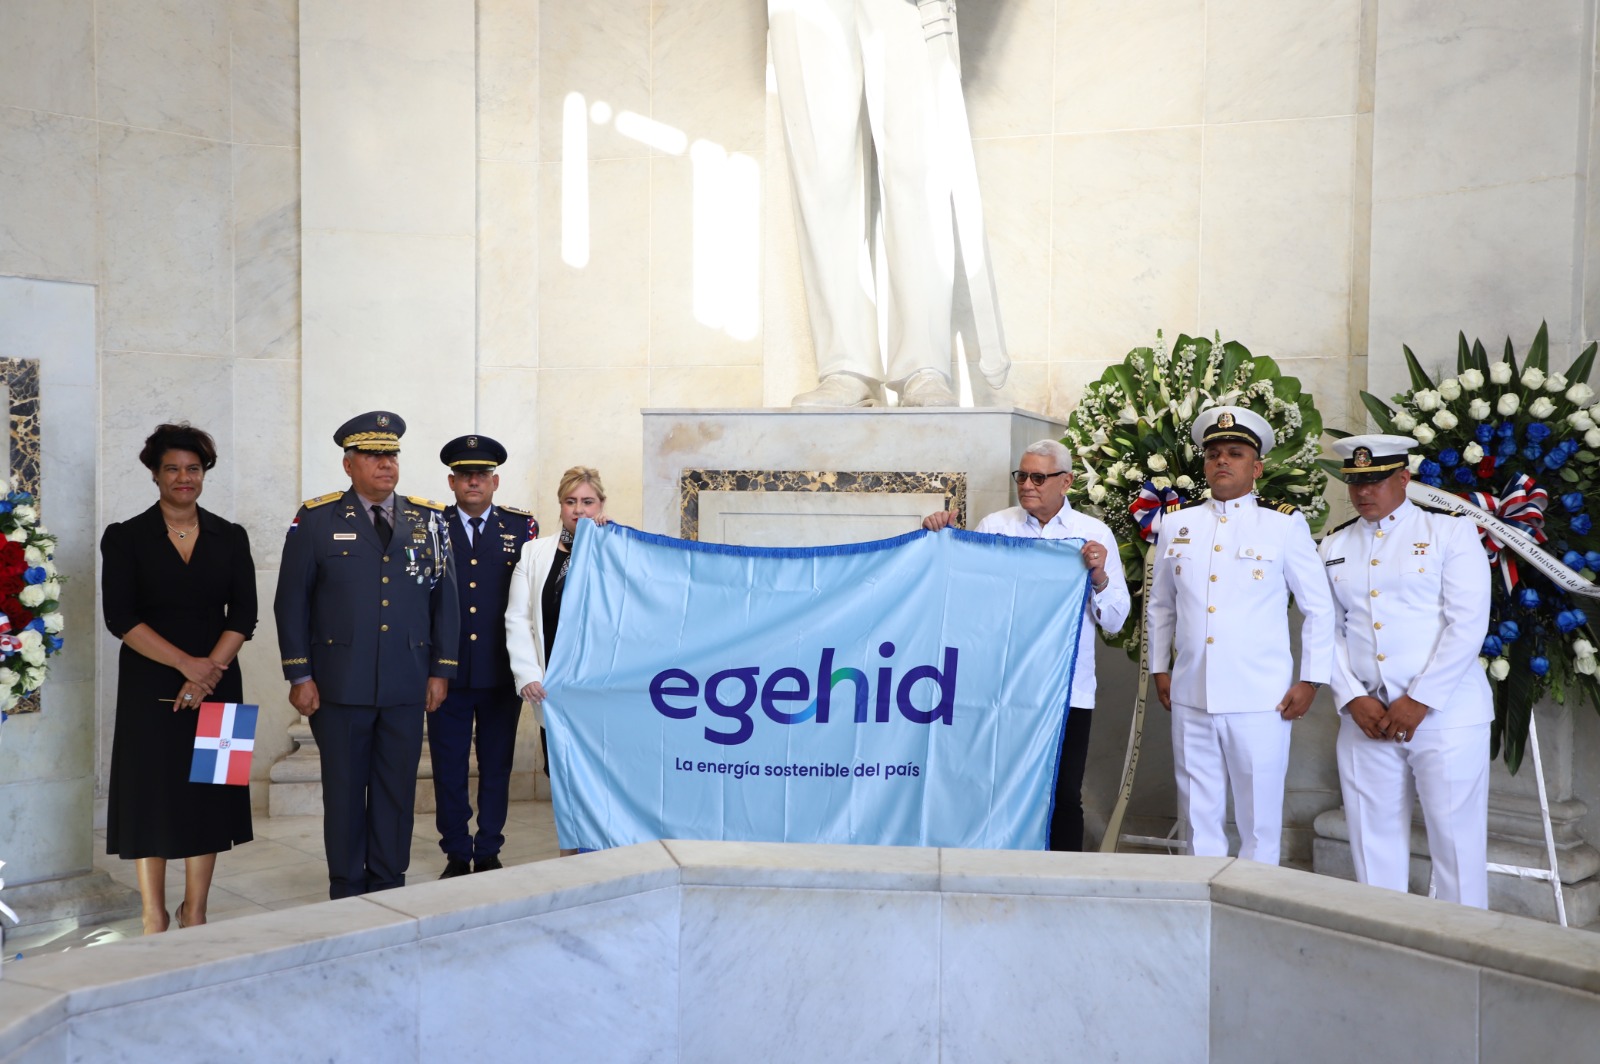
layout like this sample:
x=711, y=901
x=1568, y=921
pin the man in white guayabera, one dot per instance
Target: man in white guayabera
x=899, y=56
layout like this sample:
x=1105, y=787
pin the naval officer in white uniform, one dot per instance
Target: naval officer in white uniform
x=1411, y=602
x=1218, y=620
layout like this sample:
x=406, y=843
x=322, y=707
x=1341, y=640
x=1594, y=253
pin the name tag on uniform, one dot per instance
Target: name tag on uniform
x=345, y=535
x=1333, y=561
x=1185, y=539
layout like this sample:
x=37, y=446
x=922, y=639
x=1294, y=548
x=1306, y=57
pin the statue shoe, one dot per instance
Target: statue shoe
x=838, y=389
x=926, y=387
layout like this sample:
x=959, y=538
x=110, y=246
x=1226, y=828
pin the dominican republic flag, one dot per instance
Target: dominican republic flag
x=223, y=741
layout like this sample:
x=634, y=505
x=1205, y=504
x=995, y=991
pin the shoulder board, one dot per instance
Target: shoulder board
x=322, y=500
x=515, y=511
x=1197, y=504
x=1284, y=507
x=1436, y=510
x=1342, y=527
x=418, y=500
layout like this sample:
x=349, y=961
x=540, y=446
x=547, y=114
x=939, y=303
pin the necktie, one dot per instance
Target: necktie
x=477, y=526
x=380, y=521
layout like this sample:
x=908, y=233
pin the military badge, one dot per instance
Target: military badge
x=1361, y=458
x=1225, y=421
x=383, y=421
x=1256, y=574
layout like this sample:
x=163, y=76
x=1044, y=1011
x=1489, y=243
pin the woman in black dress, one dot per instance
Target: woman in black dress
x=180, y=592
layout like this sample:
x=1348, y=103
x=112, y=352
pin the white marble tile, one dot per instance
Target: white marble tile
x=47, y=215
x=774, y=864
x=166, y=232
x=597, y=314
x=47, y=57
x=1138, y=876
x=266, y=252
x=1520, y=1019
x=691, y=386
x=508, y=410
x=600, y=49
x=1015, y=174
x=597, y=982
x=30, y=1020
x=1125, y=237
x=1291, y=59
x=45, y=821
x=264, y=71
x=508, y=80
x=56, y=744
x=1277, y=227
x=1007, y=58
x=789, y=364
x=151, y=389
x=508, y=264
x=1477, y=94
x=164, y=65
x=857, y=972
x=1334, y=388
x=708, y=70
x=1112, y=979
x=571, y=433
x=1372, y=1000
x=1122, y=65
x=264, y=463
x=387, y=116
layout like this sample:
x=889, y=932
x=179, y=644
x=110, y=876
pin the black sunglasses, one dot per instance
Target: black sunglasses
x=1038, y=478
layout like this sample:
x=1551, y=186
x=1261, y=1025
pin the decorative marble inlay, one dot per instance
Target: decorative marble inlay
x=953, y=486
x=21, y=377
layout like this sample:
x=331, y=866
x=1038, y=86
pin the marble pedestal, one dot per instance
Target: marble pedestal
x=806, y=477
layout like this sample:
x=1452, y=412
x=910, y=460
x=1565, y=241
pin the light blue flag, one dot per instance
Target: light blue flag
x=909, y=692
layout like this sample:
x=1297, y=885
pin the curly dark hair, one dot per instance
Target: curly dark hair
x=180, y=437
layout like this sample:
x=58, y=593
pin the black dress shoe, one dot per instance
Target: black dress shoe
x=487, y=864
x=455, y=867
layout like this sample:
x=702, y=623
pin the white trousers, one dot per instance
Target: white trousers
x=829, y=56
x=1448, y=770
x=1247, y=753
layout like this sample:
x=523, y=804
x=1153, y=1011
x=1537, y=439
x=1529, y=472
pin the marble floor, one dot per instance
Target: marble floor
x=281, y=868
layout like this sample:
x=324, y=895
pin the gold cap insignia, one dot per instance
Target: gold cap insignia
x=1362, y=457
x=1225, y=421
x=383, y=421
x=472, y=443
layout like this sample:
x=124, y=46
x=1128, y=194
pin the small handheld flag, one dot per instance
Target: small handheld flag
x=223, y=741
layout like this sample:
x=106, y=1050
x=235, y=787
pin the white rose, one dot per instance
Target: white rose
x=1161, y=483
x=1097, y=493
x=1586, y=664
x=17, y=535
x=1134, y=474
x=1592, y=437
x=1185, y=482
x=52, y=589
x=1450, y=388
x=11, y=702
x=1413, y=463
x=1445, y=420
x=1426, y=400
x=1580, y=421
x=1499, y=669
x=1404, y=422
x=1500, y=372
x=33, y=679
x=1472, y=454
x=31, y=596
x=30, y=638
x=54, y=622
x=50, y=569
x=1583, y=648
x=33, y=656
x=1478, y=409
x=1156, y=463
x=1541, y=407
x=1483, y=662
x=1555, y=383
x=26, y=514
x=1472, y=379
x=1579, y=394
x=33, y=556
x=1424, y=434
x=8, y=679
x=1508, y=404
x=1532, y=377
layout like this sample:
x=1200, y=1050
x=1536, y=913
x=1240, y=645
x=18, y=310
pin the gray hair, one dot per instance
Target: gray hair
x=1054, y=450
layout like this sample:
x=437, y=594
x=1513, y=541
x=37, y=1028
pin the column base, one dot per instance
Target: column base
x=60, y=905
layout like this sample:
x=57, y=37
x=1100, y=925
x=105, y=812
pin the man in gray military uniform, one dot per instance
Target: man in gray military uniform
x=368, y=628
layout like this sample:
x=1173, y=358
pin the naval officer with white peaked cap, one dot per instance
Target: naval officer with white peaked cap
x=1218, y=620
x=1411, y=602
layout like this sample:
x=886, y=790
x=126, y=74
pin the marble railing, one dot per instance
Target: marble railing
x=699, y=951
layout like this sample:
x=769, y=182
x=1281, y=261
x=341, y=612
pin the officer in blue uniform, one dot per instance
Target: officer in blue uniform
x=367, y=626
x=485, y=540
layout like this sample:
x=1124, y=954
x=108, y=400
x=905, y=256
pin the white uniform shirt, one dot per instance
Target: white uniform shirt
x=1108, y=608
x=1219, y=599
x=1411, y=601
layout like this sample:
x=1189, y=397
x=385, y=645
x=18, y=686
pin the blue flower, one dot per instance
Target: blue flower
x=1506, y=430
x=1507, y=448
x=1537, y=432
x=1532, y=452
x=36, y=575
x=1429, y=468
x=1492, y=647
x=1450, y=457
x=1540, y=666
x=1575, y=560
x=1572, y=501
x=35, y=625
x=1567, y=620
x=1432, y=482
x=1592, y=560
x=1464, y=475
x=1483, y=433
x=1528, y=598
x=1556, y=459
x=1581, y=524
x=1509, y=631
x=5, y=507
x=55, y=643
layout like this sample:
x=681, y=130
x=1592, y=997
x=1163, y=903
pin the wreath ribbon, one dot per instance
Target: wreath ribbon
x=1149, y=507
x=1509, y=534
x=1521, y=505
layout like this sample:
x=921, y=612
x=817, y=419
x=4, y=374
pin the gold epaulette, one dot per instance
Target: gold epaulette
x=1286, y=508
x=1342, y=527
x=514, y=510
x=322, y=500
x=418, y=500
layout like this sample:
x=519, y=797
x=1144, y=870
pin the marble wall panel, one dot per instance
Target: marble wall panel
x=688, y=387
x=612, y=963
x=1291, y=59
x=866, y=960
x=1520, y=1019
x=508, y=410
x=47, y=823
x=597, y=314
x=1007, y=57
x=602, y=50
x=47, y=211
x=1276, y=224
x=508, y=263
x=1027, y=386
x=1067, y=380
x=789, y=364
x=1113, y=978
x=1125, y=237
x=508, y=80
x=387, y=90
x=591, y=417
x=265, y=458
x=264, y=71
x=677, y=336
x=1129, y=65
x=708, y=70
x=266, y=252
x=57, y=743
x=1490, y=262
x=163, y=65
x=166, y=231
x=1259, y=962
x=1015, y=175
x=1478, y=94
x=47, y=57
x=1332, y=385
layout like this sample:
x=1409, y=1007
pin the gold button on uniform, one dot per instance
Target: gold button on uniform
x=472, y=609
x=383, y=628
x=386, y=579
x=1374, y=593
x=385, y=557
x=1211, y=609
x=1210, y=640
x=1223, y=519
x=1213, y=578
x=385, y=602
x=1377, y=624
x=1383, y=657
x=1218, y=547
x=1374, y=561
x=474, y=561
x=473, y=637
x=473, y=584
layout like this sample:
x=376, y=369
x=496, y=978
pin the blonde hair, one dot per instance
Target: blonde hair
x=580, y=475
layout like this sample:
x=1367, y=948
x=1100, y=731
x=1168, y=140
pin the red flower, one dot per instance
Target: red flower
x=12, y=567
x=1486, y=467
